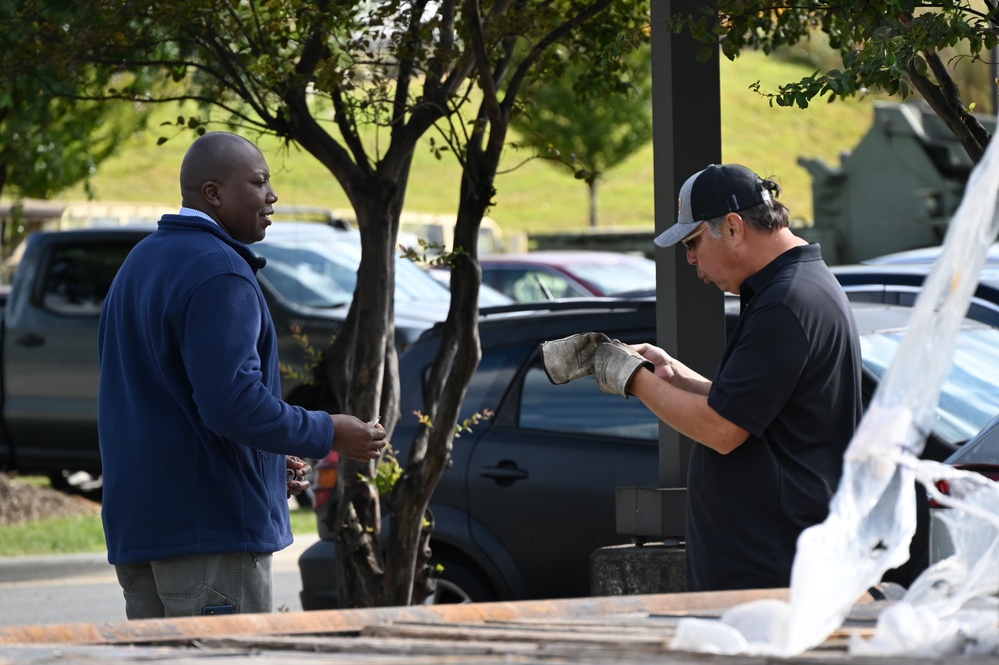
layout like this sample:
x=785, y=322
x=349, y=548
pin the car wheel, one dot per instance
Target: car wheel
x=457, y=583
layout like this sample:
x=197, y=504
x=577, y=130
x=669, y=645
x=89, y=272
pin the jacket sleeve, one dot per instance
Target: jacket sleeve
x=224, y=327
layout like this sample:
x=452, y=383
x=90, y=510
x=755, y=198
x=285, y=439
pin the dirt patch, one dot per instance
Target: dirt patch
x=25, y=502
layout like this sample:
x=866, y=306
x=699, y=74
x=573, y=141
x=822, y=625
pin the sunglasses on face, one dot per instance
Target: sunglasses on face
x=690, y=242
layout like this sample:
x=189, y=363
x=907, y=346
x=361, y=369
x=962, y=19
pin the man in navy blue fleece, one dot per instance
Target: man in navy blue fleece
x=196, y=442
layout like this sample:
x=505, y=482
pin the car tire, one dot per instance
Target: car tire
x=458, y=583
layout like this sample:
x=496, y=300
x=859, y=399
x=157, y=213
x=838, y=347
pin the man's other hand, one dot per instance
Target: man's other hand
x=357, y=439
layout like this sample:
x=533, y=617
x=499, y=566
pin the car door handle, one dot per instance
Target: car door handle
x=504, y=473
x=31, y=340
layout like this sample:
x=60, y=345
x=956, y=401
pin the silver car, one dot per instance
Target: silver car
x=979, y=455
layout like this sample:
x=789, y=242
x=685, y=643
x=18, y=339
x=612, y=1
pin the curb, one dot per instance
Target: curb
x=28, y=568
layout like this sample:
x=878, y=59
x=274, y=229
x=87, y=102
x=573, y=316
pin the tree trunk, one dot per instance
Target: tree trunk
x=593, y=202
x=361, y=367
x=946, y=103
x=409, y=576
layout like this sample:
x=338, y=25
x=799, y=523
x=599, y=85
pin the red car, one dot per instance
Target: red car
x=553, y=275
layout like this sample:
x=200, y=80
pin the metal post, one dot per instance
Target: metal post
x=690, y=317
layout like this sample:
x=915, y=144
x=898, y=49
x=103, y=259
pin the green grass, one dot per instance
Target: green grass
x=75, y=535
x=58, y=535
x=83, y=534
x=535, y=196
x=303, y=522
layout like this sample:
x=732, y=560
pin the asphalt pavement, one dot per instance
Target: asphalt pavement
x=82, y=588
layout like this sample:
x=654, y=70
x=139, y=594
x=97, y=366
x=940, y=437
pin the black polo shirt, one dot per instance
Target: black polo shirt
x=790, y=375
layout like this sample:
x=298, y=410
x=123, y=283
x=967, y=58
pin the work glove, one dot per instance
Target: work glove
x=614, y=365
x=571, y=357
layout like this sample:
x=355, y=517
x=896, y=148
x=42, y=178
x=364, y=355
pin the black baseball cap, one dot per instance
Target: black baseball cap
x=713, y=192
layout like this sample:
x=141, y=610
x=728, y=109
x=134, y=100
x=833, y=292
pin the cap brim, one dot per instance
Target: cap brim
x=675, y=234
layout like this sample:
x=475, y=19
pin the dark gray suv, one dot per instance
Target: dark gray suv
x=531, y=492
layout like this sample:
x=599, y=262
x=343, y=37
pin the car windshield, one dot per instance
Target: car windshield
x=413, y=283
x=308, y=277
x=314, y=273
x=968, y=399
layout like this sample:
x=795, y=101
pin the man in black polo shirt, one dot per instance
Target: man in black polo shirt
x=776, y=419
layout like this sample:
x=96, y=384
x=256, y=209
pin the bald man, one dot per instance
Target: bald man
x=196, y=442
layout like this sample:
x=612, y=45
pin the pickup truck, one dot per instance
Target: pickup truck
x=48, y=361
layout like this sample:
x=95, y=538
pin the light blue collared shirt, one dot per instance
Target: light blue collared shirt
x=191, y=212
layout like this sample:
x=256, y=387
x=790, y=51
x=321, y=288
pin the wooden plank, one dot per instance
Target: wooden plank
x=371, y=645
x=624, y=630
x=478, y=632
x=353, y=620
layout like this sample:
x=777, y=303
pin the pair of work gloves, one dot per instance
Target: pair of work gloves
x=610, y=361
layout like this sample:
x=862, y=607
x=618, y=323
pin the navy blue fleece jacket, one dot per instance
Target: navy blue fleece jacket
x=193, y=431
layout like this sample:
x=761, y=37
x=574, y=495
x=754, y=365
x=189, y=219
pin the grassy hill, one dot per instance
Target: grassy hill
x=532, y=195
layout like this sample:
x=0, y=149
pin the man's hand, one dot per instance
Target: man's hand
x=357, y=439
x=614, y=365
x=298, y=475
x=571, y=357
x=662, y=360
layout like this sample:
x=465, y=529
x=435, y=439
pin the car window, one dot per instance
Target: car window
x=77, y=277
x=968, y=399
x=529, y=285
x=619, y=277
x=556, y=285
x=579, y=406
x=489, y=382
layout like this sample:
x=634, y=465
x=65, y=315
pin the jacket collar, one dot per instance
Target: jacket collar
x=194, y=223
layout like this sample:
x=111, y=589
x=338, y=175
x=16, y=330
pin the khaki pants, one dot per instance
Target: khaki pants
x=239, y=582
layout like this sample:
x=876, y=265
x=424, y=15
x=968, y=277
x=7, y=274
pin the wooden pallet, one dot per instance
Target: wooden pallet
x=622, y=629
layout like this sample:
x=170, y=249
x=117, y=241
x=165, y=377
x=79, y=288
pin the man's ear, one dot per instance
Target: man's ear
x=210, y=192
x=734, y=228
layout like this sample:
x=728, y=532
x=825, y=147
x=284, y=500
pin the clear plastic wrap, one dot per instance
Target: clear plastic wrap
x=952, y=607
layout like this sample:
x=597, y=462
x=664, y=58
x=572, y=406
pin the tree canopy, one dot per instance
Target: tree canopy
x=903, y=47
x=589, y=131
x=314, y=74
x=50, y=142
